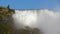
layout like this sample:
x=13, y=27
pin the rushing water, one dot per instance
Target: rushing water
x=48, y=21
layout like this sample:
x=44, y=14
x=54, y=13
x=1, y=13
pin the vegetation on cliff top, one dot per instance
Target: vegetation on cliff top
x=5, y=14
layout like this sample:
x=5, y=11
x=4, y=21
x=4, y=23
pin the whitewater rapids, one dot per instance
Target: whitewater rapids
x=48, y=21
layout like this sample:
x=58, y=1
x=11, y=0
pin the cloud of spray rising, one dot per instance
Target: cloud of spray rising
x=48, y=21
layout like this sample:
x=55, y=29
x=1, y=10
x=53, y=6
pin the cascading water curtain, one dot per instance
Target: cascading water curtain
x=46, y=20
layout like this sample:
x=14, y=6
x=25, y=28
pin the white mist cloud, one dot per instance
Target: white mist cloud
x=24, y=18
x=48, y=21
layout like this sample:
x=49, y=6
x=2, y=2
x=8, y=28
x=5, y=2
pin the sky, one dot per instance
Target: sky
x=31, y=4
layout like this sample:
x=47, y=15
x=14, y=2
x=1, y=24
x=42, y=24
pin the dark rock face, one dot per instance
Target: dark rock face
x=28, y=31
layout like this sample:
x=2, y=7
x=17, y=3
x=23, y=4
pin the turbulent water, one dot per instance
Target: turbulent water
x=48, y=21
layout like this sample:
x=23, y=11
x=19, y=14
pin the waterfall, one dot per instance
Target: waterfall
x=47, y=20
